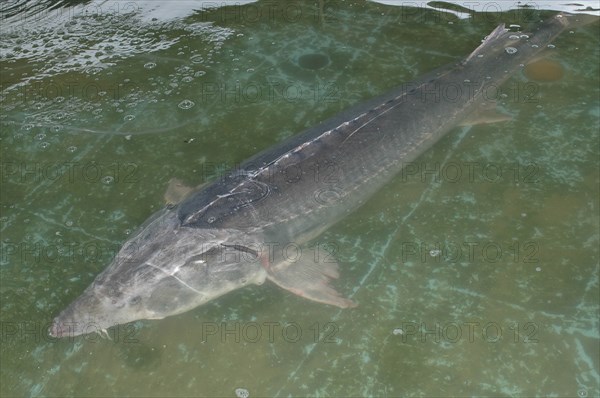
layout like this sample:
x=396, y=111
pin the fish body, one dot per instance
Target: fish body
x=250, y=225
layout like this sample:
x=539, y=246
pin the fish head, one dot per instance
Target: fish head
x=164, y=269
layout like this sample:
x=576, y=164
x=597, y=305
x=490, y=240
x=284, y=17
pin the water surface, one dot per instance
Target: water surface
x=475, y=270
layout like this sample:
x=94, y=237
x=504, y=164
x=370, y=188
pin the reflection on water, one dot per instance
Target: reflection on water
x=476, y=270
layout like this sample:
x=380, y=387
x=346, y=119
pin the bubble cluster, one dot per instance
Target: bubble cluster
x=242, y=393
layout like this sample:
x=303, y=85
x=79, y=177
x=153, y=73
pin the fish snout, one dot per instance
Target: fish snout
x=56, y=330
x=66, y=325
x=63, y=326
x=84, y=315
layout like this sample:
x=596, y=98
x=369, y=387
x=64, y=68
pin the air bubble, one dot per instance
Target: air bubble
x=242, y=393
x=150, y=65
x=59, y=115
x=510, y=50
x=186, y=104
x=93, y=70
x=128, y=118
x=107, y=180
x=72, y=149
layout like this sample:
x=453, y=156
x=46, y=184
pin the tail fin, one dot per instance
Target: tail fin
x=576, y=20
x=552, y=27
x=492, y=37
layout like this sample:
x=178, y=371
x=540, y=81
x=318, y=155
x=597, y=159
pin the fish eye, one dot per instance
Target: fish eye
x=117, y=303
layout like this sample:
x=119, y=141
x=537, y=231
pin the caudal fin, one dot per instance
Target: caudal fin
x=577, y=20
x=489, y=40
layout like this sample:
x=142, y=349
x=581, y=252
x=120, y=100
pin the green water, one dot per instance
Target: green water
x=475, y=271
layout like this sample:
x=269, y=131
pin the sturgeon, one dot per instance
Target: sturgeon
x=232, y=232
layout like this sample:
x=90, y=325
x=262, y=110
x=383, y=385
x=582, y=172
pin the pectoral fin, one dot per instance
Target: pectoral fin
x=485, y=115
x=310, y=280
x=176, y=192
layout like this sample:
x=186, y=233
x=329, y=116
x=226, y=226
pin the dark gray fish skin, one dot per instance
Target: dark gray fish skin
x=214, y=241
x=321, y=174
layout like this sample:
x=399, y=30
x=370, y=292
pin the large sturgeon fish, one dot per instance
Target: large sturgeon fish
x=238, y=230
